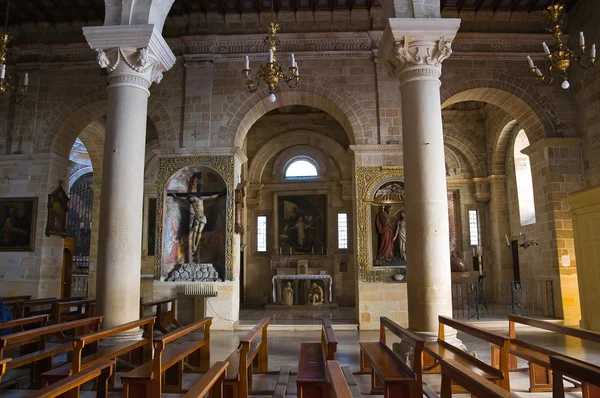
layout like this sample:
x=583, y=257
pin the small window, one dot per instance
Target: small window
x=342, y=230
x=474, y=227
x=524, y=180
x=301, y=168
x=261, y=233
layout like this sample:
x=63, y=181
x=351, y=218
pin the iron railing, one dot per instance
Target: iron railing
x=79, y=226
x=484, y=299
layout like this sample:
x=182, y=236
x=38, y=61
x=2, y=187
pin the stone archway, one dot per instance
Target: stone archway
x=466, y=148
x=248, y=108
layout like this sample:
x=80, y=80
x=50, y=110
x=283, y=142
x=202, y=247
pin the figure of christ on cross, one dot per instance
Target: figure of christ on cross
x=198, y=222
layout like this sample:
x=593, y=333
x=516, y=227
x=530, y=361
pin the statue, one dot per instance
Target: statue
x=401, y=235
x=315, y=297
x=288, y=295
x=385, y=227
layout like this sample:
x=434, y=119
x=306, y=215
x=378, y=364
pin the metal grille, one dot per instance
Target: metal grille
x=79, y=226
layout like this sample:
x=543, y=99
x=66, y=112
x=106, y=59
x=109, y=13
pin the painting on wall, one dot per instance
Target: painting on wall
x=17, y=224
x=58, y=205
x=302, y=224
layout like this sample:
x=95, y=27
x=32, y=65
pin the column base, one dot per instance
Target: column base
x=130, y=335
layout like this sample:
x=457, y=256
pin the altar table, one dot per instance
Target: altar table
x=276, y=283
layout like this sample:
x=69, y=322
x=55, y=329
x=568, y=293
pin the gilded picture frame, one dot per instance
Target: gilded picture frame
x=18, y=217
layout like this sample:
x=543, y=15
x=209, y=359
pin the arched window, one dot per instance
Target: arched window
x=524, y=180
x=301, y=168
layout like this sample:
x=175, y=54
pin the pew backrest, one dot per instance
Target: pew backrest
x=328, y=340
x=17, y=324
x=586, y=373
x=164, y=317
x=338, y=386
x=72, y=383
x=211, y=381
x=61, y=310
x=476, y=385
x=407, y=337
x=552, y=327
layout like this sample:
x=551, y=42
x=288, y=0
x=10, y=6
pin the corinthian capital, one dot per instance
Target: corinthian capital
x=419, y=52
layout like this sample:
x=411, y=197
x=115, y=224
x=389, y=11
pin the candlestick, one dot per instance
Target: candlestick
x=247, y=63
x=26, y=79
x=507, y=240
x=581, y=39
x=531, y=65
x=546, y=49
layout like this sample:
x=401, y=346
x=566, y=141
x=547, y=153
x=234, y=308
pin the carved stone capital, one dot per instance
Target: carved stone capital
x=415, y=48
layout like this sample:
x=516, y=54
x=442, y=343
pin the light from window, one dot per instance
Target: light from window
x=301, y=169
x=473, y=228
x=524, y=180
x=261, y=233
x=342, y=230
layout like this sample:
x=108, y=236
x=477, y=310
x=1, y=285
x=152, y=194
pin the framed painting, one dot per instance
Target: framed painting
x=58, y=205
x=302, y=224
x=17, y=224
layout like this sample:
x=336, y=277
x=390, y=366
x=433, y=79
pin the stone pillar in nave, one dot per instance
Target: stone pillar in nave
x=413, y=49
x=134, y=56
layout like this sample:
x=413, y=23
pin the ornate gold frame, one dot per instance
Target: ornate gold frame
x=367, y=179
x=167, y=166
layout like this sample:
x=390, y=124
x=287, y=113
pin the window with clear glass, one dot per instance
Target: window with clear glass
x=342, y=230
x=301, y=168
x=473, y=227
x=524, y=180
x=261, y=233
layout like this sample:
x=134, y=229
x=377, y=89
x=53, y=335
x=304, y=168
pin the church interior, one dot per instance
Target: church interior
x=404, y=193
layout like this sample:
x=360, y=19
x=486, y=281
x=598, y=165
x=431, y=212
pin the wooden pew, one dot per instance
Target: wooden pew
x=540, y=376
x=252, y=355
x=586, y=373
x=3, y=362
x=35, y=307
x=147, y=380
x=39, y=354
x=210, y=383
x=19, y=325
x=337, y=382
x=478, y=386
x=387, y=370
x=165, y=317
x=62, y=311
x=311, y=379
x=138, y=351
x=13, y=302
x=440, y=349
x=69, y=387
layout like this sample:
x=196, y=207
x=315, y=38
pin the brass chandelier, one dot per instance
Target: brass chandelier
x=272, y=72
x=559, y=56
x=6, y=83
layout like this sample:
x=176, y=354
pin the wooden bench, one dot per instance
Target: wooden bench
x=437, y=350
x=147, y=380
x=586, y=373
x=251, y=356
x=540, y=376
x=62, y=311
x=35, y=307
x=3, y=362
x=87, y=353
x=166, y=313
x=388, y=371
x=337, y=380
x=210, y=383
x=39, y=353
x=69, y=387
x=19, y=325
x=477, y=385
x=311, y=379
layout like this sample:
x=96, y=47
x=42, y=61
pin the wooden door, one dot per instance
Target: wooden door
x=67, y=268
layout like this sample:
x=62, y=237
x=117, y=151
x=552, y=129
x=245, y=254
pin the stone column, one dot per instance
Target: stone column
x=135, y=56
x=500, y=228
x=414, y=49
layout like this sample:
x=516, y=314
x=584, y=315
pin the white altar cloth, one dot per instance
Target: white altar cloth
x=302, y=277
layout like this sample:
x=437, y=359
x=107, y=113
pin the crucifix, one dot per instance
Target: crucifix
x=198, y=218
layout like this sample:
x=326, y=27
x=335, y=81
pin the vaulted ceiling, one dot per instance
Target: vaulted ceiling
x=93, y=10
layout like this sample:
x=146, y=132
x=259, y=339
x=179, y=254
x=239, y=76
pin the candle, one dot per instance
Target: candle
x=290, y=250
x=593, y=51
x=26, y=79
x=293, y=60
x=297, y=70
x=480, y=269
x=546, y=49
x=3, y=72
x=247, y=63
x=581, y=39
x=507, y=240
x=538, y=72
x=280, y=249
x=322, y=250
x=270, y=55
x=522, y=236
x=473, y=252
x=312, y=250
x=531, y=65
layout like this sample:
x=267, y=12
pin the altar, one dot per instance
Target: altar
x=301, y=287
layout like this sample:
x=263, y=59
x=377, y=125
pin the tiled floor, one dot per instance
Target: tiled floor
x=284, y=349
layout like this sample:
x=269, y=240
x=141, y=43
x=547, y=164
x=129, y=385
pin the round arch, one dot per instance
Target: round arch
x=454, y=157
x=294, y=138
x=513, y=95
x=465, y=147
x=247, y=108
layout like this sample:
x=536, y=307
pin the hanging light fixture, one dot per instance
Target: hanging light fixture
x=559, y=56
x=5, y=80
x=272, y=72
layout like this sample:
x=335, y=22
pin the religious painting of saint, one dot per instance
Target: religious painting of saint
x=17, y=224
x=389, y=235
x=302, y=224
x=58, y=205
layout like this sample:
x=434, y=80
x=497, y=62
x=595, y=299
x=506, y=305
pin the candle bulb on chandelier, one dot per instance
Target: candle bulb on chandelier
x=293, y=60
x=26, y=79
x=270, y=56
x=593, y=51
x=546, y=49
x=297, y=70
x=531, y=65
x=247, y=63
x=3, y=72
x=581, y=39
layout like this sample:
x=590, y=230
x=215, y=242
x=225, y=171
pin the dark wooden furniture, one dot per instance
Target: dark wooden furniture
x=435, y=351
x=311, y=379
x=251, y=356
x=388, y=372
x=540, y=375
x=166, y=313
x=210, y=383
x=3, y=362
x=62, y=311
x=453, y=371
x=338, y=386
x=586, y=373
x=148, y=381
x=69, y=387
x=88, y=353
x=19, y=325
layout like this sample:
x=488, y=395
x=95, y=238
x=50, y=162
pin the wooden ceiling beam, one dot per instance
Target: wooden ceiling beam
x=514, y=4
x=496, y=5
x=477, y=4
